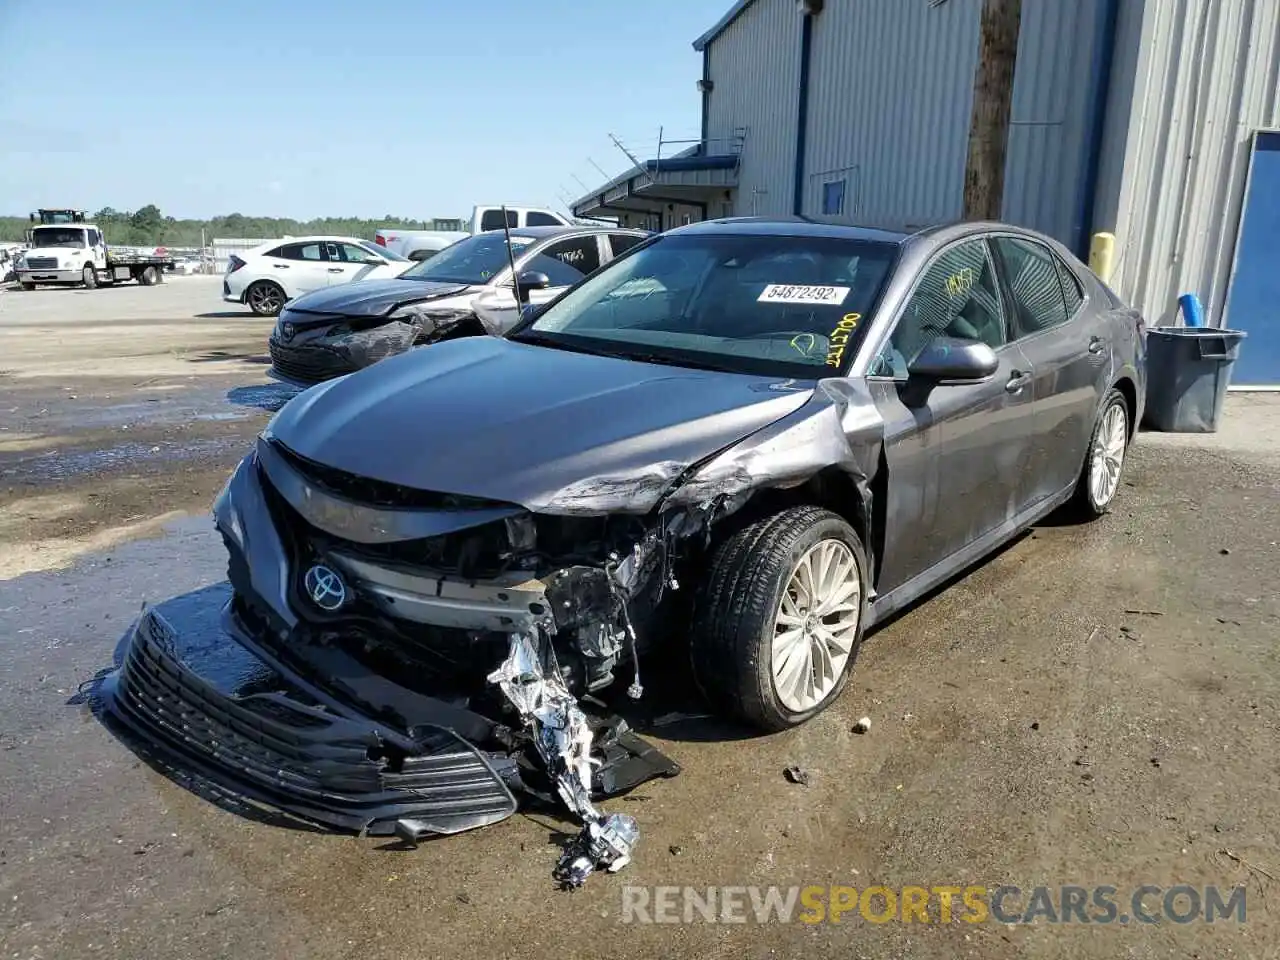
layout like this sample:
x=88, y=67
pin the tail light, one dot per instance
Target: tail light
x=234, y=263
x=379, y=239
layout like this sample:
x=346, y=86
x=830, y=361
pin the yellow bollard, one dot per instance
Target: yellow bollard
x=1102, y=254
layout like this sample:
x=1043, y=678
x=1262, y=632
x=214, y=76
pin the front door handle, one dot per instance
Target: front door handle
x=1097, y=344
x=281, y=266
x=335, y=269
x=1017, y=381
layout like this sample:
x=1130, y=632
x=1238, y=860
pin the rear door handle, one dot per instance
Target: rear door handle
x=281, y=266
x=335, y=269
x=1097, y=344
x=1017, y=381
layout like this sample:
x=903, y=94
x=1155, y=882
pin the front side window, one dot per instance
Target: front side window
x=957, y=296
x=94, y=238
x=565, y=262
x=1032, y=271
x=777, y=306
x=475, y=260
x=372, y=250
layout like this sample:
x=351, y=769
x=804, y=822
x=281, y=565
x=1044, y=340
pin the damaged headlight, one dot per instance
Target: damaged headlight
x=430, y=320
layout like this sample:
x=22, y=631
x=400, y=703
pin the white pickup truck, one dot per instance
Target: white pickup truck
x=423, y=244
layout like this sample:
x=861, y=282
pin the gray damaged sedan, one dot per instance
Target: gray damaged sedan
x=743, y=443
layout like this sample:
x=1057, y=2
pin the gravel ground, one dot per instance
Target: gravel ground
x=1094, y=705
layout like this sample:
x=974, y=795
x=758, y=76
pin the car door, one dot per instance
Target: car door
x=298, y=267
x=1066, y=346
x=355, y=263
x=954, y=452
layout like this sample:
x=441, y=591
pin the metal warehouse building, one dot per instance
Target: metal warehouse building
x=1139, y=118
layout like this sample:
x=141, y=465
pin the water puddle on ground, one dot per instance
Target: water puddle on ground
x=67, y=464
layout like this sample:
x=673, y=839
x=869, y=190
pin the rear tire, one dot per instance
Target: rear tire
x=147, y=277
x=753, y=607
x=265, y=298
x=89, y=277
x=1103, y=469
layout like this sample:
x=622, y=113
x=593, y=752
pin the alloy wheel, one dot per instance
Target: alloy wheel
x=1107, y=456
x=266, y=299
x=816, y=625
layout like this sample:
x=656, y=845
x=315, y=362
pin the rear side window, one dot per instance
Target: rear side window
x=1032, y=271
x=539, y=219
x=492, y=220
x=298, y=251
x=622, y=242
x=1071, y=287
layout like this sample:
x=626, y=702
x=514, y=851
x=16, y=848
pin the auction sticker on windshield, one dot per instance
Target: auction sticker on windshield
x=802, y=293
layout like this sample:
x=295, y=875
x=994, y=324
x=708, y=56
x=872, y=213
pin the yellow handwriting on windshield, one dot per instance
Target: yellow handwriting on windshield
x=839, y=338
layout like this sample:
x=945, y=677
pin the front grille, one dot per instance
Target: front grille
x=379, y=493
x=309, y=364
x=298, y=756
x=42, y=263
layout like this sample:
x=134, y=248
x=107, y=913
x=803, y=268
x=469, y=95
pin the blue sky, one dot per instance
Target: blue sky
x=327, y=108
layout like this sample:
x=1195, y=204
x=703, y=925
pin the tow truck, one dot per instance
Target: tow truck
x=66, y=249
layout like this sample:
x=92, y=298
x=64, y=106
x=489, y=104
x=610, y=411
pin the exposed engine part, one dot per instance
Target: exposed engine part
x=531, y=680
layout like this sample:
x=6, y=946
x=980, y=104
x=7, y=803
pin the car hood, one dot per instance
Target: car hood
x=375, y=298
x=548, y=429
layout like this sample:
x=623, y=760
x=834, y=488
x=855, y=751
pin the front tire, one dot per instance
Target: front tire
x=265, y=298
x=780, y=616
x=89, y=277
x=1104, y=463
x=28, y=286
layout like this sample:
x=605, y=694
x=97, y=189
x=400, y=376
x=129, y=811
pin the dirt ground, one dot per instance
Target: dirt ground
x=1096, y=705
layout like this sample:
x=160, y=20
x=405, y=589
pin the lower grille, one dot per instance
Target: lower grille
x=300, y=757
x=42, y=263
x=308, y=364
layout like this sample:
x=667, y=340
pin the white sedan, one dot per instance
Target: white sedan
x=273, y=273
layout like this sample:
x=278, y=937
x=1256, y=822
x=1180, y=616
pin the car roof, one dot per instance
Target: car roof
x=315, y=238
x=789, y=227
x=538, y=233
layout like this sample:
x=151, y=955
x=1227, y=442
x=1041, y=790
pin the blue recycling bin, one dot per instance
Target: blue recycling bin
x=1188, y=373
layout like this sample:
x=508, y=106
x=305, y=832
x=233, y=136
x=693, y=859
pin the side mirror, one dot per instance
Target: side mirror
x=953, y=360
x=528, y=281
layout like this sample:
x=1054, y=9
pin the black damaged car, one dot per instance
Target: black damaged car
x=333, y=332
x=746, y=440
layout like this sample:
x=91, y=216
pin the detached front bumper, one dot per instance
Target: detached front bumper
x=270, y=740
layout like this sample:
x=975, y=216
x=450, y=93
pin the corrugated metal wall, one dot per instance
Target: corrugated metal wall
x=1050, y=124
x=1201, y=76
x=755, y=67
x=891, y=97
x=891, y=90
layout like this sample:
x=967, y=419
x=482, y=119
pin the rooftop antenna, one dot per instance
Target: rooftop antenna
x=599, y=170
x=630, y=156
x=511, y=256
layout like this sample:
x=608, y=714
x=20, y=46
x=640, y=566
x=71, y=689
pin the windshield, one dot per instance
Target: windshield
x=58, y=237
x=785, y=306
x=476, y=259
x=383, y=252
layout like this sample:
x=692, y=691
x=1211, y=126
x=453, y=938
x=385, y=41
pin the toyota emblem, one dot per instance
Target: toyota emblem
x=287, y=331
x=325, y=588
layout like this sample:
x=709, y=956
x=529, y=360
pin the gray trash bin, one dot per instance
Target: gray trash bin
x=1188, y=372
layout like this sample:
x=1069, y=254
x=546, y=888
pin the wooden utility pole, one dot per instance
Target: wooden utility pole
x=992, y=104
